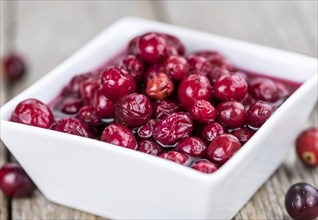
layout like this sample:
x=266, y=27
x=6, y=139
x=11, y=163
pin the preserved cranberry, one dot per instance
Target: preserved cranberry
x=248, y=100
x=264, y=89
x=153, y=70
x=159, y=86
x=258, y=113
x=231, y=113
x=88, y=89
x=307, y=147
x=133, y=46
x=173, y=128
x=104, y=107
x=204, y=166
x=149, y=147
x=119, y=135
x=14, y=67
x=33, y=112
x=211, y=130
x=75, y=84
x=177, y=67
x=175, y=156
x=145, y=131
x=240, y=74
x=216, y=59
x=14, y=181
x=164, y=108
x=192, y=88
x=115, y=83
x=134, y=66
x=216, y=73
x=192, y=146
x=153, y=47
x=70, y=105
x=243, y=134
x=73, y=126
x=203, y=111
x=89, y=115
x=301, y=201
x=175, y=47
x=230, y=87
x=222, y=148
x=283, y=91
x=199, y=65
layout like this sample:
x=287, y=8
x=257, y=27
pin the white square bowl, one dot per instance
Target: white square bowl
x=118, y=183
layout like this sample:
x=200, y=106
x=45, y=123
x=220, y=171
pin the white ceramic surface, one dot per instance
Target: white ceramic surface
x=118, y=183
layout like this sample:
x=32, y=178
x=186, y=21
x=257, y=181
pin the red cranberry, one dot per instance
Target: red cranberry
x=153, y=48
x=88, y=89
x=216, y=73
x=222, y=148
x=104, y=107
x=243, y=134
x=173, y=128
x=177, y=67
x=14, y=182
x=149, y=147
x=203, y=111
x=165, y=107
x=70, y=105
x=192, y=88
x=231, y=113
x=145, y=131
x=119, y=135
x=241, y=75
x=301, y=201
x=153, y=70
x=307, y=147
x=211, y=130
x=216, y=59
x=33, y=112
x=115, y=83
x=133, y=46
x=283, y=91
x=204, y=166
x=258, y=113
x=89, y=115
x=230, y=87
x=175, y=47
x=75, y=84
x=133, y=110
x=134, y=66
x=248, y=100
x=175, y=156
x=160, y=86
x=264, y=89
x=14, y=67
x=199, y=65
x=192, y=146
x=73, y=126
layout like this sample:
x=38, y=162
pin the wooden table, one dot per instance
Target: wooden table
x=47, y=32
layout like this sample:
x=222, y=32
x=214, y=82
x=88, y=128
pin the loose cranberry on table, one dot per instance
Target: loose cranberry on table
x=177, y=67
x=231, y=113
x=166, y=107
x=14, y=182
x=204, y=166
x=192, y=146
x=33, y=112
x=73, y=126
x=301, y=201
x=199, y=65
x=264, y=89
x=89, y=115
x=145, y=131
x=159, y=86
x=258, y=113
x=230, y=87
x=243, y=134
x=176, y=157
x=211, y=130
x=203, y=111
x=104, y=107
x=149, y=147
x=307, y=147
x=134, y=66
x=14, y=67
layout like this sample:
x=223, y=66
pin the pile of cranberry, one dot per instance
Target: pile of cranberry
x=194, y=109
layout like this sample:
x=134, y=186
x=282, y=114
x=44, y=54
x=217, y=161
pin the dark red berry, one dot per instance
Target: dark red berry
x=204, y=166
x=134, y=66
x=175, y=156
x=264, y=89
x=70, y=105
x=243, y=134
x=177, y=67
x=145, y=131
x=203, y=111
x=216, y=73
x=230, y=87
x=216, y=59
x=153, y=70
x=258, y=113
x=192, y=146
x=104, y=107
x=159, y=87
x=88, y=89
x=73, y=126
x=74, y=87
x=231, y=113
x=14, y=67
x=133, y=46
x=307, y=147
x=149, y=147
x=166, y=107
x=211, y=130
x=89, y=115
x=174, y=45
x=199, y=65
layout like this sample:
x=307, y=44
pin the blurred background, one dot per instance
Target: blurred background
x=47, y=32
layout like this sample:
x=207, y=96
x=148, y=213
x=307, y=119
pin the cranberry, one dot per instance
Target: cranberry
x=133, y=46
x=70, y=105
x=222, y=148
x=153, y=47
x=89, y=115
x=230, y=87
x=173, y=128
x=231, y=113
x=216, y=73
x=192, y=88
x=216, y=59
x=199, y=65
x=258, y=113
x=307, y=147
x=264, y=89
x=177, y=67
x=164, y=108
x=88, y=89
x=149, y=147
x=119, y=135
x=160, y=86
x=134, y=66
x=14, y=67
x=301, y=201
x=133, y=110
x=211, y=130
x=73, y=126
x=33, y=112
x=240, y=74
x=192, y=146
x=105, y=108
x=75, y=84
x=203, y=111
x=175, y=156
x=243, y=134
x=175, y=47
x=153, y=70
x=283, y=91
x=145, y=131
x=115, y=83
x=204, y=166
x=247, y=101
x=14, y=181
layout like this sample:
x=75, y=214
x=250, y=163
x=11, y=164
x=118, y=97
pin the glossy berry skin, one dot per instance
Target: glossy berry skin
x=133, y=46
x=192, y=88
x=204, y=166
x=153, y=70
x=119, y=135
x=89, y=115
x=231, y=113
x=70, y=105
x=243, y=134
x=216, y=73
x=174, y=45
x=165, y=107
x=301, y=201
x=149, y=147
x=104, y=107
x=264, y=89
x=222, y=148
x=230, y=87
x=307, y=147
x=211, y=130
x=134, y=66
x=115, y=83
x=73, y=126
x=14, y=182
x=199, y=65
x=258, y=113
x=216, y=59
x=192, y=146
x=33, y=112
x=74, y=87
x=145, y=131
x=14, y=67
x=177, y=67
x=173, y=128
x=88, y=89
x=175, y=156
x=203, y=111
x=133, y=110
x=160, y=86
